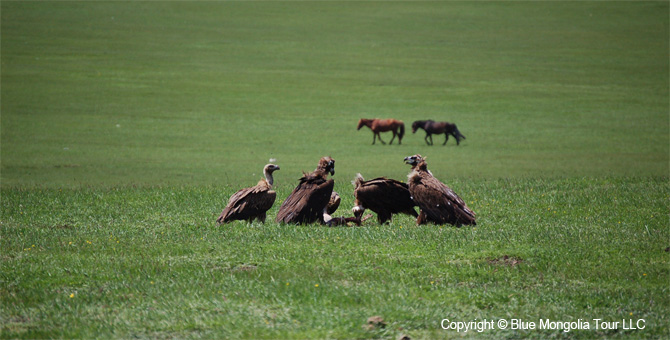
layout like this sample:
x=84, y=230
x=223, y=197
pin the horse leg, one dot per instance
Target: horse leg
x=391, y=142
x=426, y=138
x=431, y=138
x=446, y=138
x=374, y=137
x=380, y=137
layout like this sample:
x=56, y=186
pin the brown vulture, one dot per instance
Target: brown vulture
x=437, y=202
x=251, y=203
x=308, y=201
x=383, y=196
x=333, y=203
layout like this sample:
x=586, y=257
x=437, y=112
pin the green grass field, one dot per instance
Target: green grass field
x=125, y=126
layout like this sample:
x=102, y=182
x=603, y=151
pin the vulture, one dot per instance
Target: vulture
x=309, y=200
x=383, y=196
x=333, y=203
x=251, y=203
x=437, y=202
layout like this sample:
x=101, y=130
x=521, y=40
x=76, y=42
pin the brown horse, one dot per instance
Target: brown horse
x=383, y=125
x=431, y=127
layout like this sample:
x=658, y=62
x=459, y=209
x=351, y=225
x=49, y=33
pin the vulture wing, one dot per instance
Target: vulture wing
x=385, y=197
x=248, y=203
x=439, y=203
x=307, y=202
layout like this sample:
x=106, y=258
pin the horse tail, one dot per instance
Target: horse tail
x=402, y=130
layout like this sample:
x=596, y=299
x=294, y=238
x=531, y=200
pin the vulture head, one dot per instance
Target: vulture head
x=327, y=164
x=267, y=172
x=270, y=168
x=414, y=160
x=358, y=210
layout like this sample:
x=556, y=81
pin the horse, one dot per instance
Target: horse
x=431, y=127
x=384, y=125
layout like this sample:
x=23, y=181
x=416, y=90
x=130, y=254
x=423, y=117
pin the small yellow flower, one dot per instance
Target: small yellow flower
x=152, y=282
x=644, y=274
x=432, y=282
x=71, y=295
x=316, y=285
x=631, y=314
x=287, y=283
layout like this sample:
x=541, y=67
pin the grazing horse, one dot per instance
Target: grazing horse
x=383, y=125
x=431, y=127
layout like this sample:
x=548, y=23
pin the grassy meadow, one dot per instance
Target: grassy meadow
x=125, y=126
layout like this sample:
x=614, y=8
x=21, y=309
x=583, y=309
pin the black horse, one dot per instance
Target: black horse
x=431, y=127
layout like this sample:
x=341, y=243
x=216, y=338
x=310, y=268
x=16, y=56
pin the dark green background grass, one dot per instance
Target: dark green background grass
x=207, y=92
x=126, y=125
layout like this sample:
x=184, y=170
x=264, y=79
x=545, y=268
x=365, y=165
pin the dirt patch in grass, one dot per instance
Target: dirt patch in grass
x=506, y=260
x=245, y=268
x=375, y=322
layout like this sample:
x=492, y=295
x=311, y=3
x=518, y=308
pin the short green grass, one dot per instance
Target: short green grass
x=128, y=262
x=126, y=126
x=156, y=93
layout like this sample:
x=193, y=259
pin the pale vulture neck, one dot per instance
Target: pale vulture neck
x=268, y=176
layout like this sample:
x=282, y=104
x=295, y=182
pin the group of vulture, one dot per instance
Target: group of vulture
x=314, y=200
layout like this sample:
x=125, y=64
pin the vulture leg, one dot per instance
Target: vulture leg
x=383, y=217
x=422, y=218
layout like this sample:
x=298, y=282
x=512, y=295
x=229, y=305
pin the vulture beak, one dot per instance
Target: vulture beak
x=277, y=167
x=409, y=160
x=331, y=168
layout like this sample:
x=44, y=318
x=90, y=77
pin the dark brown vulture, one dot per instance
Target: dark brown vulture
x=251, y=203
x=437, y=202
x=333, y=203
x=308, y=201
x=383, y=196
